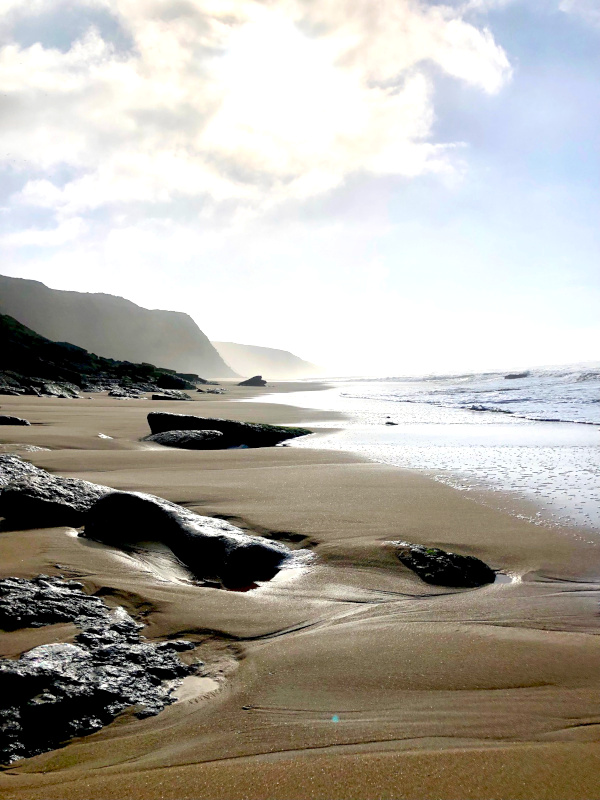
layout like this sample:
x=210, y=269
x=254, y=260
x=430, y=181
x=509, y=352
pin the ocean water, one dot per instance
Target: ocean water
x=535, y=438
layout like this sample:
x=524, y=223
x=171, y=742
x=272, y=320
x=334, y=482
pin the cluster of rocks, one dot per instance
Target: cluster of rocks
x=126, y=393
x=442, y=568
x=212, y=391
x=13, y=384
x=57, y=691
x=233, y=434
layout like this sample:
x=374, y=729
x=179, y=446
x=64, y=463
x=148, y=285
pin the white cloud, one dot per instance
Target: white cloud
x=66, y=231
x=237, y=100
x=588, y=9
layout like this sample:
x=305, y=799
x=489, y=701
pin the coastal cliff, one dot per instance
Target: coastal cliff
x=112, y=327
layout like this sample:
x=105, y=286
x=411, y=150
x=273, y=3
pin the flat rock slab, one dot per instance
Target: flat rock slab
x=7, y=420
x=252, y=434
x=189, y=440
x=172, y=394
x=61, y=690
x=441, y=568
x=45, y=501
x=211, y=548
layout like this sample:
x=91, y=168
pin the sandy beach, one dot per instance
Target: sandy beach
x=348, y=677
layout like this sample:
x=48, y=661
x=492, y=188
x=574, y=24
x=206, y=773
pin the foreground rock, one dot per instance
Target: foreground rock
x=442, y=568
x=171, y=394
x=211, y=548
x=13, y=468
x=255, y=380
x=7, y=420
x=188, y=440
x=61, y=690
x=42, y=500
x=251, y=434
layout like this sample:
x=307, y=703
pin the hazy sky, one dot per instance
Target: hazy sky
x=380, y=186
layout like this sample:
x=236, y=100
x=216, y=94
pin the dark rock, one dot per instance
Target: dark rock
x=168, y=381
x=251, y=434
x=46, y=600
x=442, y=568
x=44, y=500
x=391, y=423
x=211, y=548
x=13, y=468
x=171, y=394
x=514, y=375
x=256, y=380
x=125, y=393
x=189, y=440
x=6, y=420
x=61, y=690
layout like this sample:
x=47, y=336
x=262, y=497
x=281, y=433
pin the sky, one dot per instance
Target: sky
x=383, y=187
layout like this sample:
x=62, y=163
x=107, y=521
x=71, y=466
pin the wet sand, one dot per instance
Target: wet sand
x=348, y=678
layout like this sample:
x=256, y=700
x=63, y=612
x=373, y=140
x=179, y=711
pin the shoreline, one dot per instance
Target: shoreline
x=439, y=693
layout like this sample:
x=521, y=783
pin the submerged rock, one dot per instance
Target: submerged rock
x=439, y=567
x=211, y=548
x=515, y=375
x=252, y=434
x=7, y=420
x=57, y=691
x=43, y=500
x=255, y=380
x=188, y=440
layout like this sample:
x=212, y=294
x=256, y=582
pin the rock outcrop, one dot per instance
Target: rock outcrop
x=43, y=500
x=13, y=468
x=211, y=548
x=188, y=440
x=441, y=568
x=251, y=434
x=113, y=327
x=57, y=691
x=7, y=420
x=171, y=394
x=255, y=380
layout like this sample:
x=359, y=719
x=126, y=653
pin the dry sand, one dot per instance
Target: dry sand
x=347, y=679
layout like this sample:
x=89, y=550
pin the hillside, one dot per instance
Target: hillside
x=272, y=364
x=26, y=354
x=113, y=327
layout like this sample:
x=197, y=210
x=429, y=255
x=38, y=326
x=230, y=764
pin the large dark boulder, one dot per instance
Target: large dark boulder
x=44, y=500
x=188, y=440
x=441, y=568
x=252, y=434
x=255, y=380
x=211, y=548
x=60, y=690
x=7, y=420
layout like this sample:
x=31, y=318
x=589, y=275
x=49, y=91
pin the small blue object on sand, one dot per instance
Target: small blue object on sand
x=335, y=718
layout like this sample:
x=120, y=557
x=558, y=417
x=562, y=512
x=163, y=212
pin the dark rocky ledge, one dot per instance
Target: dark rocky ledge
x=189, y=440
x=211, y=548
x=13, y=468
x=57, y=691
x=251, y=434
x=441, y=568
x=8, y=420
